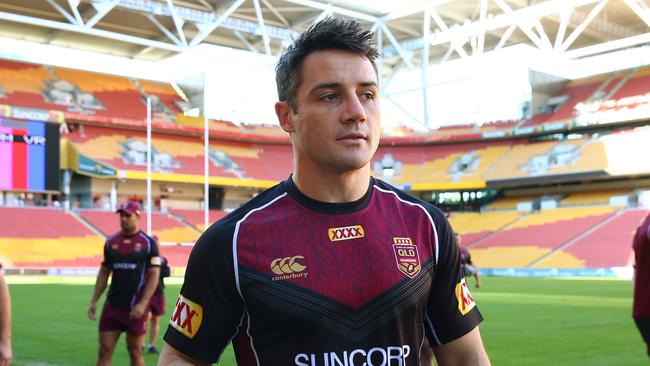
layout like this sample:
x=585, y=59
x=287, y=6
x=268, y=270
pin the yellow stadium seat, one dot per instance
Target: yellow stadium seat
x=507, y=257
x=43, y=250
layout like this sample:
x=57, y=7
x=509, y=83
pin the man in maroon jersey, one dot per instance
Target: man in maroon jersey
x=641, y=306
x=131, y=258
x=331, y=266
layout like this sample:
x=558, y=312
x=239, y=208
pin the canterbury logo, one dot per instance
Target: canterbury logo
x=287, y=265
x=346, y=233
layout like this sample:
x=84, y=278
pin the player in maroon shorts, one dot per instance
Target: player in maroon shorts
x=641, y=307
x=157, y=303
x=131, y=257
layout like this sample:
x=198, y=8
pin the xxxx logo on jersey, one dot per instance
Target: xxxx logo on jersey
x=465, y=300
x=407, y=256
x=346, y=233
x=187, y=317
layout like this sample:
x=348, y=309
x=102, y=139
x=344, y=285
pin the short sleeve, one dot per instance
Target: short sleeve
x=153, y=259
x=108, y=260
x=451, y=311
x=209, y=309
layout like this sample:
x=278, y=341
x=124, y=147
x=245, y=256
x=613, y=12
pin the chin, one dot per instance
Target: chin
x=351, y=165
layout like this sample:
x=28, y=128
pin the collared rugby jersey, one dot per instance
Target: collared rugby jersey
x=641, y=246
x=294, y=281
x=128, y=258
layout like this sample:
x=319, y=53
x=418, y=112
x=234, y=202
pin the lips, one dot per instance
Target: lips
x=353, y=136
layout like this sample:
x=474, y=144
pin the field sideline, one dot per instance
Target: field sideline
x=528, y=322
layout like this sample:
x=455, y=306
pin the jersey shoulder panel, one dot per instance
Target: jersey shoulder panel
x=438, y=217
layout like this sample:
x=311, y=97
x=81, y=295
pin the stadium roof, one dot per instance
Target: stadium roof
x=155, y=29
x=492, y=42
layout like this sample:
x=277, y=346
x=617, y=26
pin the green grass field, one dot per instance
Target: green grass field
x=527, y=322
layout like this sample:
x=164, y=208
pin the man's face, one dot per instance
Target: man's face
x=336, y=127
x=128, y=223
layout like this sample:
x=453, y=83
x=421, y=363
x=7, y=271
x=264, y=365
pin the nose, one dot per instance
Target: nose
x=354, y=111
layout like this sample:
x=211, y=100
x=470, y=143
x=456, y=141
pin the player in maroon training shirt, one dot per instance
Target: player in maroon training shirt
x=330, y=267
x=131, y=258
x=641, y=307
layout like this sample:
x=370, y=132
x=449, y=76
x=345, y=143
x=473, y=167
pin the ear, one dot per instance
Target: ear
x=283, y=111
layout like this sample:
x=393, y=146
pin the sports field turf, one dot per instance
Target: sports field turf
x=528, y=322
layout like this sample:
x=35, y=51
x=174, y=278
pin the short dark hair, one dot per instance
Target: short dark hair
x=328, y=34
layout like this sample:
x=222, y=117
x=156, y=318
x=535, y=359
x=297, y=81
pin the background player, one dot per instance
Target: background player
x=157, y=302
x=132, y=258
x=641, y=306
x=306, y=271
x=468, y=268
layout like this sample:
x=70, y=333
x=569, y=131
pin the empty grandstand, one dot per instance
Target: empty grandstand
x=553, y=187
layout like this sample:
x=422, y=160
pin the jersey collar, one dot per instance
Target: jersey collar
x=328, y=207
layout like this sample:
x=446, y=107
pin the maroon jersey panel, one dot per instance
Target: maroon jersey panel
x=641, y=245
x=294, y=244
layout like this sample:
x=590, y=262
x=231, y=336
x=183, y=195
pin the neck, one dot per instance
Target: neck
x=332, y=187
x=131, y=232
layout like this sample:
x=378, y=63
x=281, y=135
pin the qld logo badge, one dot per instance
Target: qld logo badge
x=407, y=256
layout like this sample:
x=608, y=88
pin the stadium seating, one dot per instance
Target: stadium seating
x=164, y=92
x=510, y=203
x=608, y=245
x=21, y=77
x=123, y=149
x=636, y=85
x=575, y=235
x=457, y=129
x=528, y=160
x=577, y=91
x=84, y=95
x=592, y=198
x=176, y=255
x=23, y=84
x=45, y=237
x=442, y=163
x=474, y=226
x=168, y=229
x=535, y=235
x=196, y=218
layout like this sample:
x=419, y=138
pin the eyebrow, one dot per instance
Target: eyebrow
x=338, y=85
